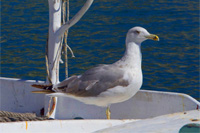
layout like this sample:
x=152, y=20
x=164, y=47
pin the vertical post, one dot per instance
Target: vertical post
x=56, y=32
x=54, y=45
x=53, y=41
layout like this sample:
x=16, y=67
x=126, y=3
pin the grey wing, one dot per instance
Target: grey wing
x=95, y=81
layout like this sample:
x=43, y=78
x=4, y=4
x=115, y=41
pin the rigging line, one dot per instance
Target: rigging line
x=47, y=60
x=65, y=36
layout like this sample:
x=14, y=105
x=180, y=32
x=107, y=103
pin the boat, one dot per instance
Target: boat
x=161, y=110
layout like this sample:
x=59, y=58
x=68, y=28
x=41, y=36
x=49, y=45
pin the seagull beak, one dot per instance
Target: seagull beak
x=153, y=37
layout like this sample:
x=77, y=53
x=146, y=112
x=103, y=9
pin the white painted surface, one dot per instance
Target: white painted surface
x=170, y=123
x=59, y=126
x=53, y=41
x=144, y=104
x=16, y=96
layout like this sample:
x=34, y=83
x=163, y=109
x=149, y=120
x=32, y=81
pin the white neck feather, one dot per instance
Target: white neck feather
x=132, y=57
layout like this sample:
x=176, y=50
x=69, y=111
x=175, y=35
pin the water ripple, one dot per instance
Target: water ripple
x=169, y=65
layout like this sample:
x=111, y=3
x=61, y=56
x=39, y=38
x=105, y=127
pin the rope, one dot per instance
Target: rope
x=47, y=60
x=6, y=116
x=66, y=46
x=11, y=114
x=65, y=36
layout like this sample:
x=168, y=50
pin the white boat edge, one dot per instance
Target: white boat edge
x=170, y=123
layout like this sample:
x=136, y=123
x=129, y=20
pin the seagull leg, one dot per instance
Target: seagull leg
x=108, y=112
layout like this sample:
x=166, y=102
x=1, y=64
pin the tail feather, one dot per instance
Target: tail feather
x=44, y=92
x=44, y=87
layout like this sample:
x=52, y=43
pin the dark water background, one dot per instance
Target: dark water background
x=172, y=64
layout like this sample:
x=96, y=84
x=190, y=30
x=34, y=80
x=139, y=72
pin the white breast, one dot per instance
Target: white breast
x=118, y=93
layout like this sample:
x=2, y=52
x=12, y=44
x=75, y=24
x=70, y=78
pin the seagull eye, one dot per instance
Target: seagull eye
x=138, y=32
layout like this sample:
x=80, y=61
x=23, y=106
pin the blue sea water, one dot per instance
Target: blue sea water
x=172, y=64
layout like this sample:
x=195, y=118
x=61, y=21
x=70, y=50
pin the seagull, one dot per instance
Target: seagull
x=107, y=84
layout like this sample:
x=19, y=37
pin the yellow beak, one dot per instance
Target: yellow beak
x=153, y=37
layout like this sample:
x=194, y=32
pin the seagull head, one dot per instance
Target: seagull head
x=138, y=35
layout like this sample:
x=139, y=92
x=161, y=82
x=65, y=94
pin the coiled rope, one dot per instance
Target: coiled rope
x=6, y=116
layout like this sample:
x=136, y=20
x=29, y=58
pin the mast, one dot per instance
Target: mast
x=56, y=32
x=54, y=44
